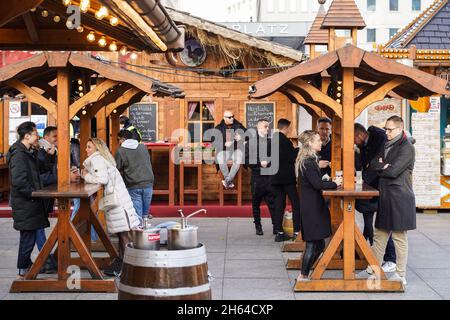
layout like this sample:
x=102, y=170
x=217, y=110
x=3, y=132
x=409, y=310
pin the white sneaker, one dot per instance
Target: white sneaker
x=389, y=267
x=397, y=277
x=225, y=184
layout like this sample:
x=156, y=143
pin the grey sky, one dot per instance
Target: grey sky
x=213, y=10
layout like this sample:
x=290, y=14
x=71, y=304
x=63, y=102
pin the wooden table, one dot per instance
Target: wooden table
x=78, y=233
x=169, y=147
x=348, y=234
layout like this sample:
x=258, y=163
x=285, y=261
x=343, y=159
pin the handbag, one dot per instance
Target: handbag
x=109, y=200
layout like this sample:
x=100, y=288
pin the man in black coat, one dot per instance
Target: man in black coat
x=396, y=208
x=370, y=143
x=228, y=141
x=29, y=214
x=257, y=157
x=324, y=126
x=284, y=180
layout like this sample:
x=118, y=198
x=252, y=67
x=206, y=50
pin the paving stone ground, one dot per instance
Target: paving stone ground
x=246, y=266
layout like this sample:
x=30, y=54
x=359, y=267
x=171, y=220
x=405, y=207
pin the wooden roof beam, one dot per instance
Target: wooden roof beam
x=30, y=23
x=125, y=98
x=118, y=91
x=10, y=10
x=32, y=95
x=11, y=70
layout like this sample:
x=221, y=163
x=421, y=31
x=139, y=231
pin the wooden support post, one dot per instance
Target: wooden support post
x=101, y=124
x=63, y=95
x=114, y=126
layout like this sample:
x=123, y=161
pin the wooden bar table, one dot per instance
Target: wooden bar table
x=78, y=233
x=169, y=147
x=349, y=234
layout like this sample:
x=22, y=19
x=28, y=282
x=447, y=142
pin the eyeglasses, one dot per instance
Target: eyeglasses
x=230, y=117
x=389, y=129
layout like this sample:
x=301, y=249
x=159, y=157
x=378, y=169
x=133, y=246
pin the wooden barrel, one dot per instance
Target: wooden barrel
x=164, y=275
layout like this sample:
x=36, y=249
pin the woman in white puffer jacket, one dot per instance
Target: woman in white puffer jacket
x=100, y=168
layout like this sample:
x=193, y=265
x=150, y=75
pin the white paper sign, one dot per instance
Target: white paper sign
x=435, y=105
x=14, y=109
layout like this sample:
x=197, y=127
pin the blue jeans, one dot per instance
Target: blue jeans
x=141, y=199
x=76, y=207
x=40, y=238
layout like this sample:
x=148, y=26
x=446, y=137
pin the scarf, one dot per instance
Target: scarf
x=389, y=144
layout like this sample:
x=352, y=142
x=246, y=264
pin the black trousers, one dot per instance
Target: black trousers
x=280, y=204
x=312, y=252
x=26, y=245
x=262, y=190
x=389, y=254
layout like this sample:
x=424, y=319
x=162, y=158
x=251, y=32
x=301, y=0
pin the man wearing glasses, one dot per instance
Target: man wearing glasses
x=232, y=132
x=397, y=208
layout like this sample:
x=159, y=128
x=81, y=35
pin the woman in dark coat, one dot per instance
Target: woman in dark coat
x=314, y=212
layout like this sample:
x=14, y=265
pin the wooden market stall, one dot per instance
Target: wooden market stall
x=214, y=71
x=66, y=84
x=375, y=77
x=424, y=43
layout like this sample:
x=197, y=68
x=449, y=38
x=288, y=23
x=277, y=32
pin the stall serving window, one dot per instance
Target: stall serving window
x=200, y=118
x=21, y=111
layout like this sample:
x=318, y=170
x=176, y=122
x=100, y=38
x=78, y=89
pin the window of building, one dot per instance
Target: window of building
x=393, y=5
x=293, y=5
x=200, y=119
x=371, y=5
x=281, y=5
x=371, y=35
x=416, y=5
x=392, y=32
x=304, y=5
x=270, y=5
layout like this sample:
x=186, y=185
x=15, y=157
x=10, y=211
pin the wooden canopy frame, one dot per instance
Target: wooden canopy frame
x=364, y=78
x=55, y=74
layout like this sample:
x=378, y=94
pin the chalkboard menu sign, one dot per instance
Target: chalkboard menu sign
x=144, y=116
x=255, y=111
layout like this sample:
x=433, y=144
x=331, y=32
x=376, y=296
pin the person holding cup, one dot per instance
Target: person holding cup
x=314, y=212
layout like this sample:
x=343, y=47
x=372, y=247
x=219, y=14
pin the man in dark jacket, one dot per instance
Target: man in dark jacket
x=29, y=214
x=257, y=157
x=324, y=126
x=284, y=180
x=370, y=143
x=228, y=142
x=396, y=208
x=126, y=124
x=134, y=164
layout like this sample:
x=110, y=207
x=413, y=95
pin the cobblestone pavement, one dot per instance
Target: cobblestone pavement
x=246, y=266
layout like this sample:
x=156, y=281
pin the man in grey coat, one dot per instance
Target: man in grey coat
x=396, y=208
x=134, y=164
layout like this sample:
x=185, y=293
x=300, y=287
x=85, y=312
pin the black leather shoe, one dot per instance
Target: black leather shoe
x=259, y=230
x=281, y=236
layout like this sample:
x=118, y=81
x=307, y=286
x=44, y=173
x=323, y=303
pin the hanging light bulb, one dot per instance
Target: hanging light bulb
x=85, y=5
x=57, y=19
x=33, y=10
x=91, y=36
x=113, y=46
x=113, y=21
x=69, y=24
x=102, y=42
x=80, y=29
x=80, y=88
x=44, y=13
x=83, y=112
x=123, y=51
x=114, y=111
x=133, y=56
x=81, y=94
x=101, y=13
x=67, y=2
x=80, y=82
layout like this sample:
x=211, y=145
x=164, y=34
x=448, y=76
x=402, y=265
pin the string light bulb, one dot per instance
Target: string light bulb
x=80, y=82
x=44, y=13
x=123, y=51
x=85, y=5
x=81, y=94
x=57, y=19
x=69, y=24
x=133, y=56
x=67, y=2
x=101, y=13
x=113, y=46
x=80, y=88
x=102, y=42
x=33, y=10
x=113, y=21
x=91, y=36
x=114, y=111
x=83, y=112
x=80, y=29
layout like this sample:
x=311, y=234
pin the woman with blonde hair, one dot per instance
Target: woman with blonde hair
x=314, y=213
x=100, y=168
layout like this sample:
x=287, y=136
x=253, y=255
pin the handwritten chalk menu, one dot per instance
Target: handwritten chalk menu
x=144, y=116
x=255, y=111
